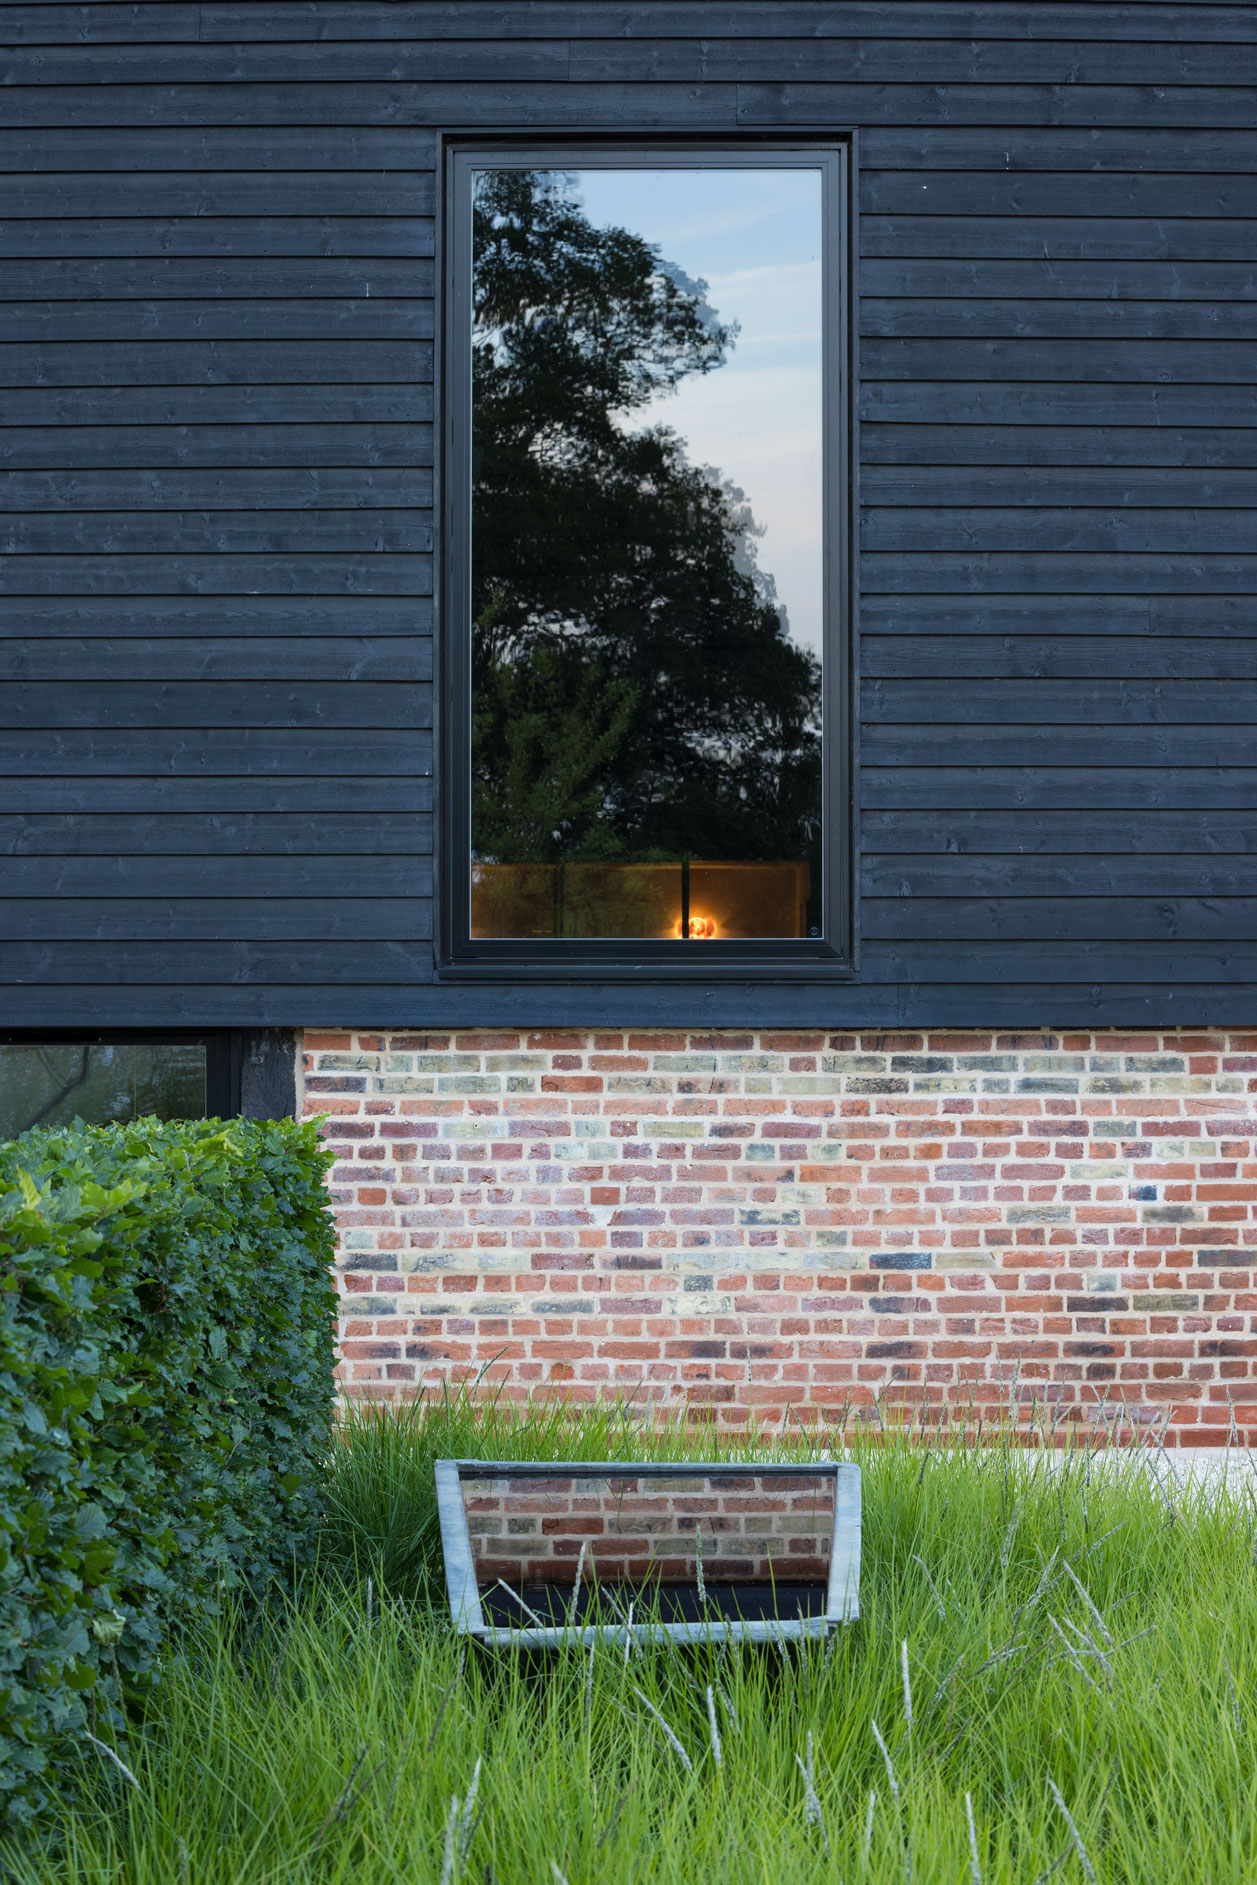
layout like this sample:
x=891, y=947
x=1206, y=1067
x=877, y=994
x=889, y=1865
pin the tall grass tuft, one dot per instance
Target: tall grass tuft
x=380, y=1497
x=1059, y=1656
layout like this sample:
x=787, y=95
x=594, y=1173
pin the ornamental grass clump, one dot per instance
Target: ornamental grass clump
x=1066, y=1697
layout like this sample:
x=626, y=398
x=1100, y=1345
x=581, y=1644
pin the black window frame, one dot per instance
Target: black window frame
x=223, y=1053
x=458, y=956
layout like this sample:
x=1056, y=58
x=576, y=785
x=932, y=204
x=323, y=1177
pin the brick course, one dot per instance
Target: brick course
x=748, y=1223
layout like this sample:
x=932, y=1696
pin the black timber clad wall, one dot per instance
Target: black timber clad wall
x=217, y=320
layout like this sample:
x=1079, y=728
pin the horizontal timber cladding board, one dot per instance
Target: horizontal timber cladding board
x=164, y=753
x=43, y=23
x=157, y=618
x=1154, y=270
x=360, y=573
x=117, y=66
x=1026, y=831
x=189, y=488
x=975, y=962
x=1164, y=919
x=1212, y=362
x=1093, y=785
x=1070, y=530
x=370, y=1005
x=217, y=360
x=688, y=19
x=240, y=193
x=1009, y=402
x=513, y=105
x=994, y=147
x=408, y=147
x=224, y=403
x=1170, y=487
x=174, y=533
x=253, y=796
x=201, y=277
x=975, y=240
x=520, y=103
x=1035, y=445
x=873, y=62
x=886, y=1007
x=1044, y=615
x=278, y=704
x=83, y=334
x=1085, y=656
x=235, y=834
x=317, y=239
x=1118, y=702
x=217, y=658
x=811, y=106
x=256, y=963
x=311, y=875
x=119, y=444
x=346, y=147
x=1066, y=573
x=1067, y=875
x=369, y=918
x=1231, y=321
x=212, y=359
x=135, y=149
x=1074, y=746
x=1142, y=192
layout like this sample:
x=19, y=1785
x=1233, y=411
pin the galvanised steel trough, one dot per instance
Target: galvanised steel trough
x=537, y=1555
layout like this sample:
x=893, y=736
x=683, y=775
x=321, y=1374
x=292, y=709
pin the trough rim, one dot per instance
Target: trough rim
x=842, y=1599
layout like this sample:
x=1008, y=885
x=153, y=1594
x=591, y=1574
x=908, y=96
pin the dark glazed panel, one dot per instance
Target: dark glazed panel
x=647, y=593
x=52, y=1083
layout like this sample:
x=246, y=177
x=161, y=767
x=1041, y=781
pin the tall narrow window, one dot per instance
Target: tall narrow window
x=644, y=654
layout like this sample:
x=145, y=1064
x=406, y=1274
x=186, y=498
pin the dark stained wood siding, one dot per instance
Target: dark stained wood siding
x=216, y=321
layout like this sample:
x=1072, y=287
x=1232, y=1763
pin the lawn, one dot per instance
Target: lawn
x=1052, y=1677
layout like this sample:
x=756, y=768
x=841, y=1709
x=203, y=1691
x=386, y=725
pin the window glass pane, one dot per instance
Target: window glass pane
x=761, y=1542
x=49, y=1084
x=647, y=571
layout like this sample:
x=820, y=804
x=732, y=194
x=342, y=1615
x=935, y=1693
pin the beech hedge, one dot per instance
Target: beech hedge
x=166, y=1351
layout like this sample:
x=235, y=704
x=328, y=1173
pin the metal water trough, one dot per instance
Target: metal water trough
x=834, y=1598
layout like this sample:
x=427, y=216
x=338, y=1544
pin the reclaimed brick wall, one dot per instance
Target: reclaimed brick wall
x=746, y=1223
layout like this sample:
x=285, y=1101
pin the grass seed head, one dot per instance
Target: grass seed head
x=1074, y=1833
x=109, y=1754
x=668, y=1734
x=975, y=1870
x=717, y=1753
x=575, y=1599
x=890, y=1767
x=811, y=1799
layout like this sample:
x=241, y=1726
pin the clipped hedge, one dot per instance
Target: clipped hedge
x=166, y=1353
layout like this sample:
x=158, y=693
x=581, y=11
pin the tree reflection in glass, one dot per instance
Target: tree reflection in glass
x=646, y=756
x=51, y=1083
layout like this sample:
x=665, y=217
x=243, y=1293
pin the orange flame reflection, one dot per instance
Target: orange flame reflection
x=701, y=928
